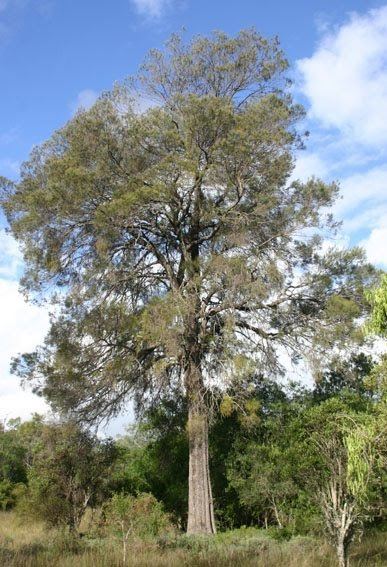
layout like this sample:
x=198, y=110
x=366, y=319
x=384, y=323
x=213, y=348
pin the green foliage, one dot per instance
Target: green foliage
x=261, y=477
x=377, y=297
x=16, y=441
x=68, y=472
x=346, y=378
x=154, y=454
x=280, y=534
x=12, y=456
x=10, y=493
x=139, y=516
x=361, y=450
x=252, y=464
x=377, y=379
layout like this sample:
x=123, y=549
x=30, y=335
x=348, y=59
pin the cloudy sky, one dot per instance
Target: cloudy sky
x=56, y=56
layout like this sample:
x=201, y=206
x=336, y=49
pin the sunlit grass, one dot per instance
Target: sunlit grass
x=32, y=545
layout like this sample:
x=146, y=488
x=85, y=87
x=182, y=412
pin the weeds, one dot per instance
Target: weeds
x=32, y=545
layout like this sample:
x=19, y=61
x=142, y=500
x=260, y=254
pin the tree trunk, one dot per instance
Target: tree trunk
x=200, y=504
x=265, y=520
x=275, y=509
x=342, y=553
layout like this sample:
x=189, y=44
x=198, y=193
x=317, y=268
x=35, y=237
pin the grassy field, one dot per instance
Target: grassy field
x=32, y=545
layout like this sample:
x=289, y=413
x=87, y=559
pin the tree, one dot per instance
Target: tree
x=68, y=472
x=141, y=516
x=16, y=443
x=344, y=377
x=12, y=453
x=180, y=248
x=261, y=477
x=153, y=457
x=342, y=459
x=377, y=323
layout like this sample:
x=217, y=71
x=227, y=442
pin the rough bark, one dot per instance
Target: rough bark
x=342, y=554
x=200, y=504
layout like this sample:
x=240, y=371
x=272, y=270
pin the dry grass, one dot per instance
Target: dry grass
x=32, y=545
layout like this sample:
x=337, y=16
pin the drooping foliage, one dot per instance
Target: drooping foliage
x=176, y=243
x=140, y=218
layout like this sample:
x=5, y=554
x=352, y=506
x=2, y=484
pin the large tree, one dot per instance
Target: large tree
x=176, y=241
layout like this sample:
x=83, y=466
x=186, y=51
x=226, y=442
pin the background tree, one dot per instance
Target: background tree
x=180, y=247
x=344, y=377
x=153, y=457
x=263, y=481
x=13, y=473
x=68, y=472
x=17, y=442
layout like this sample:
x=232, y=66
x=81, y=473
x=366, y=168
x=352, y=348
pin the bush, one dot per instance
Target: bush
x=132, y=517
x=10, y=493
x=141, y=516
x=280, y=534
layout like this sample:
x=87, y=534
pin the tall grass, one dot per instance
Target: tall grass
x=32, y=545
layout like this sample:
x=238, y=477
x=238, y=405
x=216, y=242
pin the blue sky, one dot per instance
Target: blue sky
x=58, y=55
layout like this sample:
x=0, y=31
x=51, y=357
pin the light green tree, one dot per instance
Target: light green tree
x=377, y=322
x=377, y=325
x=141, y=516
x=344, y=461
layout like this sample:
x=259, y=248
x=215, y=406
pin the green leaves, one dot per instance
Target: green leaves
x=377, y=298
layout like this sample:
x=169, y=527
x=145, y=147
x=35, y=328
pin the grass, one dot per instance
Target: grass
x=33, y=545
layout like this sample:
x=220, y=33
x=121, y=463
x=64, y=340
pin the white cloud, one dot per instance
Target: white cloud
x=309, y=164
x=84, y=100
x=345, y=84
x=365, y=189
x=151, y=8
x=11, y=259
x=376, y=246
x=345, y=80
x=24, y=326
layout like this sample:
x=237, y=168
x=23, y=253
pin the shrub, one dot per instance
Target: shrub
x=10, y=492
x=132, y=517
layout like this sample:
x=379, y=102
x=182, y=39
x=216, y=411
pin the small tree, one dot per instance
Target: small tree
x=377, y=323
x=132, y=516
x=13, y=471
x=345, y=457
x=68, y=472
